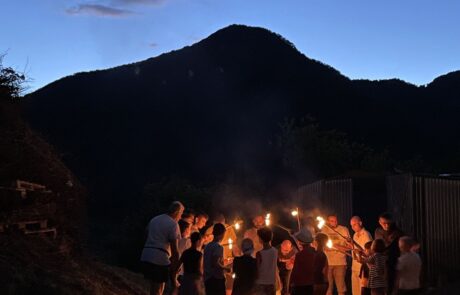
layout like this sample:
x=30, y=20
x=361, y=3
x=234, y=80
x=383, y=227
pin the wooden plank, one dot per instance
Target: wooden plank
x=52, y=230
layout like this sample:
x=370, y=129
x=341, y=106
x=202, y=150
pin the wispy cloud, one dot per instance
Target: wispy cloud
x=139, y=2
x=98, y=10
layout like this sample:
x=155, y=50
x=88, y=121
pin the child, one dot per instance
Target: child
x=245, y=270
x=266, y=263
x=364, y=271
x=376, y=263
x=409, y=267
x=192, y=259
x=214, y=265
x=321, y=265
x=303, y=273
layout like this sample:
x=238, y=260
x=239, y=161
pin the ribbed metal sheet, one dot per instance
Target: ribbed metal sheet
x=334, y=196
x=429, y=209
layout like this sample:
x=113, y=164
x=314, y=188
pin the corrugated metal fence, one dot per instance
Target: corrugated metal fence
x=429, y=209
x=333, y=196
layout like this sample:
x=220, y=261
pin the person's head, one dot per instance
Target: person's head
x=304, y=237
x=200, y=220
x=208, y=236
x=258, y=221
x=286, y=247
x=378, y=246
x=332, y=220
x=406, y=244
x=184, y=228
x=218, y=231
x=356, y=223
x=247, y=246
x=385, y=221
x=196, y=240
x=265, y=234
x=175, y=210
x=188, y=217
x=321, y=241
x=367, y=247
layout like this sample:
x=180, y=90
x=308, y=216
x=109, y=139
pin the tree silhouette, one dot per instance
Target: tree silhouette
x=11, y=82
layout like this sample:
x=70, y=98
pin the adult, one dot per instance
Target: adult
x=360, y=237
x=390, y=234
x=286, y=256
x=200, y=222
x=161, y=248
x=258, y=223
x=303, y=273
x=336, y=257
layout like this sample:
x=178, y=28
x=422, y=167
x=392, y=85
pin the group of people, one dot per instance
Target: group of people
x=197, y=256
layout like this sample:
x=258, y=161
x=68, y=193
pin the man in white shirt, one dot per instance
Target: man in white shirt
x=336, y=259
x=161, y=247
x=408, y=268
x=360, y=237
x=258, y=223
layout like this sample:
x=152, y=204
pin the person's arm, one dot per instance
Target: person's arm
x=201, y=265
x=325, y=269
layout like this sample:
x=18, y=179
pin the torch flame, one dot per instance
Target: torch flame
x=230, y=243
x=294, y=213
x=321, y=222
x=233, y=275
x=329, y=244
x=267, y=219
x=237, y=225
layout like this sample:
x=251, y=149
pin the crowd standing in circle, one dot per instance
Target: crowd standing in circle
x=186, y=254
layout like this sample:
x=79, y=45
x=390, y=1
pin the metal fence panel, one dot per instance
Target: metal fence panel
x=429, y=209
x=331, y=196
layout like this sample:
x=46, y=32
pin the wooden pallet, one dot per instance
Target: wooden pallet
x=21, y=184
x=46, y=231
x=42, y=223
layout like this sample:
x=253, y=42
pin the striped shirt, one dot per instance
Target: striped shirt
x=376, y=263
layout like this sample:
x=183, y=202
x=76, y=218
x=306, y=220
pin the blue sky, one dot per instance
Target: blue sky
x=412, y=40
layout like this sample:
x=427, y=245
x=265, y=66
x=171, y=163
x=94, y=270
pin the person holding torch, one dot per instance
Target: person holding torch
x=360, y=237
x=336, y=255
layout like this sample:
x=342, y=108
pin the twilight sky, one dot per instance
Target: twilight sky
x=414, y=40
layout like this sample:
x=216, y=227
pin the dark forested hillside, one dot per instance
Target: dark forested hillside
x=213, y=110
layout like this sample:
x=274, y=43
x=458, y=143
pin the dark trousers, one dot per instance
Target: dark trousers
x=365, y=291
x=285, y=276
x=265, y=290
x=302, y=290
x=409, y=292
x=215, y=286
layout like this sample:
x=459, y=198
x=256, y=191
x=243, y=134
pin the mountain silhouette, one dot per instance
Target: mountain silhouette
x=212, y=110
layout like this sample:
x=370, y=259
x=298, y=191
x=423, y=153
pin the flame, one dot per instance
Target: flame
x=237, y=225
x=230, y=243
x=233, y=275
x=329, y=244
x=294, y=212
x=321, y=222
x=267, y=219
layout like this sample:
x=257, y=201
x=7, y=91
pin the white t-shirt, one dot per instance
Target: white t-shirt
x=361, y=238
x=409, y=268
x=335, y=257
x=162, y=229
